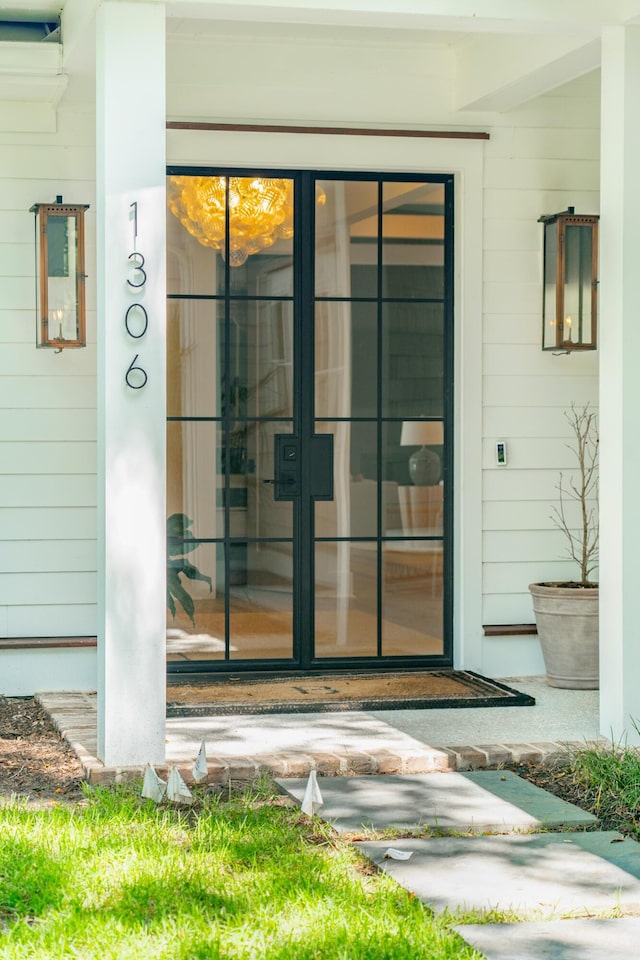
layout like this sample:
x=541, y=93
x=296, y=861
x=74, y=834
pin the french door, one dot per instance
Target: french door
x=310, y=357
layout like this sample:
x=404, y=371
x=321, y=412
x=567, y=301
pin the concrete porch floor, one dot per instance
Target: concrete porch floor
x=382, y=741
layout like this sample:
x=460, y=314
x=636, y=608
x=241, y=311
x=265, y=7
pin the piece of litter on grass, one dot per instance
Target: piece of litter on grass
x=153, y=788
x=200, y=768
x=393, y=854
x=177, y=790
x=312, y=800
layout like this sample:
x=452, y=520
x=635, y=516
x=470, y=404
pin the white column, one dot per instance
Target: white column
x=130, y=144
x=619, y=339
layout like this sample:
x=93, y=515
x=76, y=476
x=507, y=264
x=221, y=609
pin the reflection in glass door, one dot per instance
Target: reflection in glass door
x=382, y=356
x=309, y=376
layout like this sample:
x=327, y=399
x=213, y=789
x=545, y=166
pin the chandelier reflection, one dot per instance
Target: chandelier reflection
x=260, y=212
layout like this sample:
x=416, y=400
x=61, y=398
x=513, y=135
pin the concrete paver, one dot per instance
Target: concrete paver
x=557, y=940
x=536, y=876
x=484, y=801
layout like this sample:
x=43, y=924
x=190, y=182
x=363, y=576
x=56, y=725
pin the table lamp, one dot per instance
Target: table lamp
x=424, y=464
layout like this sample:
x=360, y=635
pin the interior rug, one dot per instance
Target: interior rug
x=424, y=690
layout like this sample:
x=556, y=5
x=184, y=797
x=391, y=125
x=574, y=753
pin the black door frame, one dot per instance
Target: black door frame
x=303, y=660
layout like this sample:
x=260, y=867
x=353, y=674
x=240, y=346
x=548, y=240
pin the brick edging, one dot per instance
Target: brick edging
x=73, y=724
x=223, y=770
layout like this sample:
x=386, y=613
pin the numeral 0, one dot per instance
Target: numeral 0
x=145, y=321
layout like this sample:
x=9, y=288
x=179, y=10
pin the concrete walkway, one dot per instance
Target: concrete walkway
x=537, y=859
x=488, y=842
x=384, y=741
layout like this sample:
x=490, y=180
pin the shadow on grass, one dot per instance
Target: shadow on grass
x=31, y=881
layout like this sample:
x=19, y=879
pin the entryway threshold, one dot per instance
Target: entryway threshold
x=242, y=748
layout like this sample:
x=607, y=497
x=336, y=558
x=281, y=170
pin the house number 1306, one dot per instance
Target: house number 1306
x=136, y=319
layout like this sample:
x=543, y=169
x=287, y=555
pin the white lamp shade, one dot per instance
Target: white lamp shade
x=420, y=433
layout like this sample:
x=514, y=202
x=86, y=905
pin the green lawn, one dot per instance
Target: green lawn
x=243, y=877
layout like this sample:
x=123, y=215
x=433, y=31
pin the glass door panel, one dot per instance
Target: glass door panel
x=261, y=602
x=346, y=599
x=412, y=609
x=380, y=369
x=413, y=236
x=309, y=420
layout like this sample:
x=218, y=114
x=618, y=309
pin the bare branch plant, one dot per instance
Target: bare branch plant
x=582, y=490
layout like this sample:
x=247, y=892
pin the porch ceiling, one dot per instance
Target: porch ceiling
x=502, y=53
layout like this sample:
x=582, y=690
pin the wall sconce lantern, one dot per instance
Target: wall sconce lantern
x=60, y=276
x=570, y=279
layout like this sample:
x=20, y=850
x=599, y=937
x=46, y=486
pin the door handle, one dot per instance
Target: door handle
x=284, y=480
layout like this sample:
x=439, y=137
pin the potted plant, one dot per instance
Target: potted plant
x=566, y=612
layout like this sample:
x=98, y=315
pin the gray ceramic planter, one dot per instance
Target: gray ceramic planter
x=567, y=622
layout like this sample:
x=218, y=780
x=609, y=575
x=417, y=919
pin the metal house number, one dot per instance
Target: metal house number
x=136, y=318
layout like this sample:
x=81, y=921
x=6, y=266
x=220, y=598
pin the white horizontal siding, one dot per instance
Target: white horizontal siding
x=17, y=260
x=565, y=144
x=506, y=546
x=504, y=234
x=519, y=485
x=57, y=523
x=23, y=458
x=75, y=125
x=512, y=328
x=54, y=619
x=520, y=266
x=25, y=672
x=47, y=425
x=515, y=608
x=52, y=164
x=533, y=421
x=504, y=578
x=507, y=515
x=46, y=556
x=40, y=391
x=558, y=391
x=545, y=161
x=18, y=359
x=505, y=296
x=541, y=174
x=531, y=204
x=530, y=361
x=22, y=589
x=47, y=400
x=48, y=491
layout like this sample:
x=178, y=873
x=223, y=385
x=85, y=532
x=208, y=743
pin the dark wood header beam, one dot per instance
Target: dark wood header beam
x=333, y=131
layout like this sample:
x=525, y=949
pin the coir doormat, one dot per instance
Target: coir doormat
x=425, y=690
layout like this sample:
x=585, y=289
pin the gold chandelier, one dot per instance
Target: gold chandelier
x=260, y=212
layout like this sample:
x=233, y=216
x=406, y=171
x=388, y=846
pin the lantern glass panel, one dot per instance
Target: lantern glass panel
x=62, y=273
x=577, y=318
x=550, y=287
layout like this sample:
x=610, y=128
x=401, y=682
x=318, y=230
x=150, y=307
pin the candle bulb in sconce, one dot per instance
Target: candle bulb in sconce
x=567, y=323
x=57, y=322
